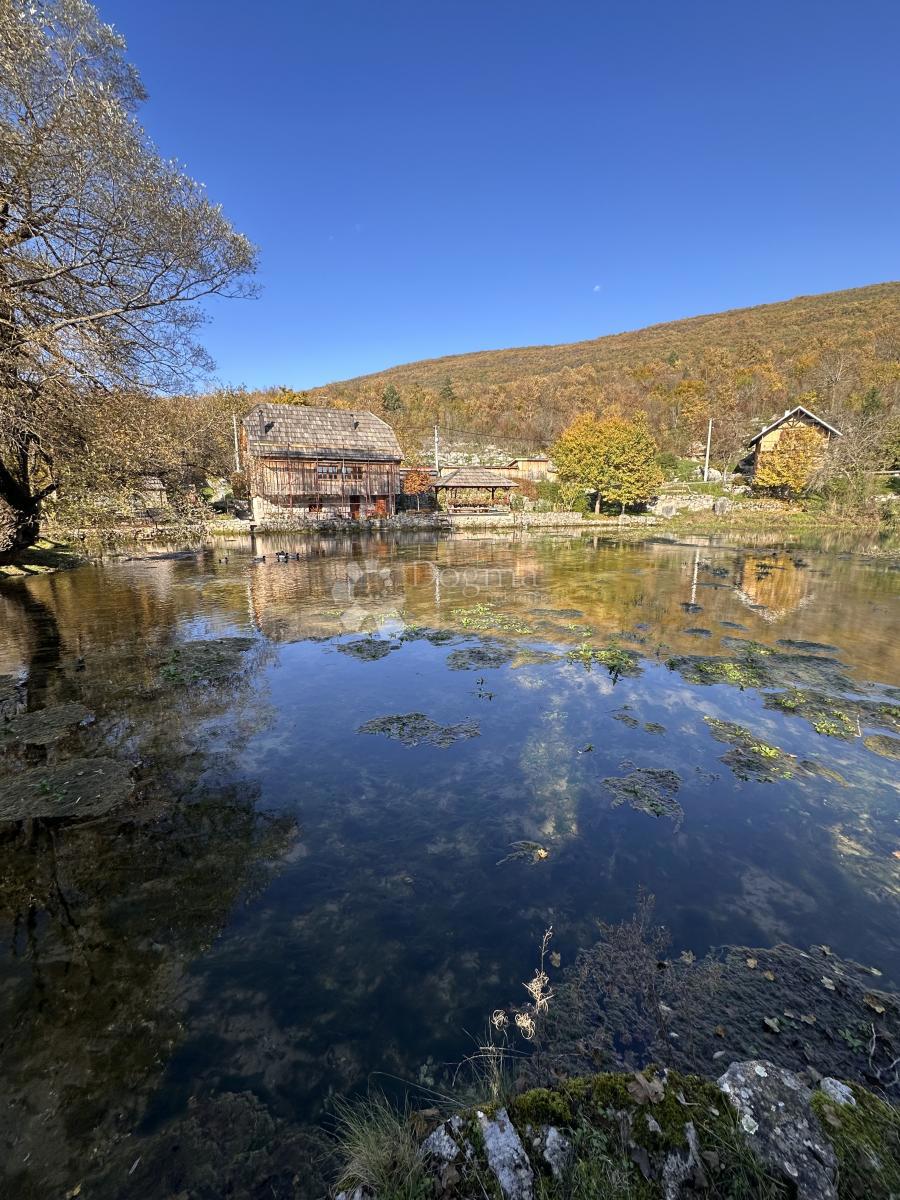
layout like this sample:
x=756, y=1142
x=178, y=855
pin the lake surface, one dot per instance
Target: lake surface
x=301, y=898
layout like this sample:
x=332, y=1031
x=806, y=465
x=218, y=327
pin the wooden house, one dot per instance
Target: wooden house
x=319, y=463
x=767, y=439
x=532, y=470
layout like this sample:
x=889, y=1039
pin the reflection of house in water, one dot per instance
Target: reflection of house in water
x=337, y=586
x=773, y=586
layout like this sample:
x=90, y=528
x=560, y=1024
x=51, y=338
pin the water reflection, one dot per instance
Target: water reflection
x=286, y=907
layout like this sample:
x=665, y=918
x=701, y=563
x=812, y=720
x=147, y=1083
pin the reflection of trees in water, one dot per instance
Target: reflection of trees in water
x=101, y=920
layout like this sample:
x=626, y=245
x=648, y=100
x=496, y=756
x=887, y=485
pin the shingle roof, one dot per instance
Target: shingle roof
x=792, y=413
x=304, y=432
x=474, y=477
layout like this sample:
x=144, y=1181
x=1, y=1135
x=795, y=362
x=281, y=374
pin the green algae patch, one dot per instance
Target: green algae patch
x=835, y=716
x=705, y=669
x=649, y=790
x=211, y=661
x=866, y=1140
x=485, y=617
x=78, y=787
x=879, y=743
x=615, y=659
x=415, y=729
x=751, y=758
x=757, y=666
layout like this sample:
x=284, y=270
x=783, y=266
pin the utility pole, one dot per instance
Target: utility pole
x=237, y=450
x=437, y=461
x=708, y=440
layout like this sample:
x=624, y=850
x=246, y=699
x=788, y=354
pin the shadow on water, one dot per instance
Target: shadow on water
x=318, y=879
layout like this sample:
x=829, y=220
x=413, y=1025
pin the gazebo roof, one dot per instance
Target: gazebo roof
x=474, y=477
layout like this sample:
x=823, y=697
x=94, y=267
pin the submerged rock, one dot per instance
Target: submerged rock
x=879, y=743
x=776, y=1113
x=213, y=660
x=44, y=727
x=649, y=790
x=368, y=649
x=485, y=656
x=78, y=787
x=808, y=647
x=415, y=729
x=12, y=696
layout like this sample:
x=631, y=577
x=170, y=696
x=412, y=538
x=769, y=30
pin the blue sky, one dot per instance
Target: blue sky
x=428, y=177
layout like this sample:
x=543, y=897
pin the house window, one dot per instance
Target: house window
x=327, y=471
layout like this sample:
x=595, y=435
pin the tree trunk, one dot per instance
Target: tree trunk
x=19, y=526
x=597, y=504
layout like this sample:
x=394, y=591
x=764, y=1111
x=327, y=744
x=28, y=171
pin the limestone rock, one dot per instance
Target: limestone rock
x=721, y=506
x=781, y=1127
x=839, y=1092
x=506, y=1155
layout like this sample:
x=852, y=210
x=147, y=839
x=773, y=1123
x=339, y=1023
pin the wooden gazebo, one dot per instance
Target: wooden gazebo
x=461, y=488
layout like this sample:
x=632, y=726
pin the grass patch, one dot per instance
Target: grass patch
x=41, y=559
x=866, y=1140
x=379, y=1150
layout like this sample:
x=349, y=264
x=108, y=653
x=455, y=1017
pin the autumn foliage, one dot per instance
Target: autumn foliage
x=614, y=457
x=789, y=467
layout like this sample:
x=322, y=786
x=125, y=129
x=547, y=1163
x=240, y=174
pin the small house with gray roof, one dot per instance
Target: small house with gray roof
x=319, y=463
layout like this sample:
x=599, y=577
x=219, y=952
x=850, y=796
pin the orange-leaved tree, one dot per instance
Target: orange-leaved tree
x=416, y=482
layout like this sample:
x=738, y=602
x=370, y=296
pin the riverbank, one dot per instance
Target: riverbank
x=774, y=519
x=758, y=1131
x=43, y=558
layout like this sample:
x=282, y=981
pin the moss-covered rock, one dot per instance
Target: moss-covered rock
x=76, y=788
x=865, y=1135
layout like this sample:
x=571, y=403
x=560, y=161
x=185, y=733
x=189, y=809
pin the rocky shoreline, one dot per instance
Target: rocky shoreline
x=759, y=1131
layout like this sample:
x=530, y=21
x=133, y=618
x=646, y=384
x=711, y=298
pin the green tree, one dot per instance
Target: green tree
x=629, y=473
x=615, y=457
x=446, y=392
x=106, y=248
x=390, y=399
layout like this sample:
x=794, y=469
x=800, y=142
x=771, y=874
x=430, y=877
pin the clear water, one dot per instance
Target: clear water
x=289, y=910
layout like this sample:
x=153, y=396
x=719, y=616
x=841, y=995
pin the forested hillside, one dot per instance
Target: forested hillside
x=838, y=352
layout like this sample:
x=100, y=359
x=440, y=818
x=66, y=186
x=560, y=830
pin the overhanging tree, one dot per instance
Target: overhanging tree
x=106, y=248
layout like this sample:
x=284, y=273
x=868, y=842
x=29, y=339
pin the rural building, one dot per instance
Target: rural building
x=319, y=463
x=535, y=470
x=469, y=489
x=767, y=439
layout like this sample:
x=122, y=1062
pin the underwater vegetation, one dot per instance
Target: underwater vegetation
x=415, y=729
x=649, y=790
